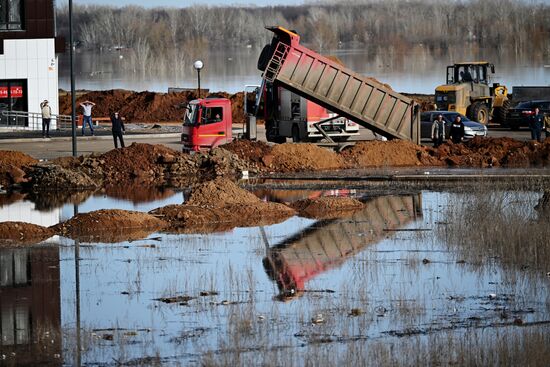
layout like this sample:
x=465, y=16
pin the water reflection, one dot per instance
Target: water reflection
x=30, y=306
x=415, y=70
x=328, y=244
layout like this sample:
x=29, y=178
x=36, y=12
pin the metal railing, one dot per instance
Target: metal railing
x=21, y=120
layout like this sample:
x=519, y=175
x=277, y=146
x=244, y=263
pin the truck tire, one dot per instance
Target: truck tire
x=479, y=112
x=271, y=134
x=265, y=57
x=499, y=114
x=295, y=134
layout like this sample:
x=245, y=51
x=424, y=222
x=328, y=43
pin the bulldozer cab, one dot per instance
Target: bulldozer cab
x=470, y=72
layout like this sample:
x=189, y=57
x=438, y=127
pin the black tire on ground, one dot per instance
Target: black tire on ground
x=499, y=114
x=514, y=127
x=295, y=134
x=271, y=133
x=264, y=58
x=479, y=112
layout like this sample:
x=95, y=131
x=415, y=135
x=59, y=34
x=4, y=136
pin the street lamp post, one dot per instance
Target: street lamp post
x=198, y=65
x=73, y=95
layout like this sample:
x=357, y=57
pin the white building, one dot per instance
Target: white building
x=28, y=61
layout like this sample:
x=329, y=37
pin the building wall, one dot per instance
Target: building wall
x=35, y=61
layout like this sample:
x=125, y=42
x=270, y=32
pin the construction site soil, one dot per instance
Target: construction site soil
x=11, y=167
x=146, y=106
x=111, y=225
x=221, y=205
x=20, y=234
x=327, y=207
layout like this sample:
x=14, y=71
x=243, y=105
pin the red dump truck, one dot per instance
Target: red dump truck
x=208, y=123
x=291, y=70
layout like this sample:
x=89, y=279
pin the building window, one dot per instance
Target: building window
x=13, y=99
x=11, y=15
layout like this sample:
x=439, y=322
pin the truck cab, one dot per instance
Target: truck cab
x=207, y=124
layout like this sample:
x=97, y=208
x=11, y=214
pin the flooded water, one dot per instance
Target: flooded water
x=417, y=70
x=392, y=284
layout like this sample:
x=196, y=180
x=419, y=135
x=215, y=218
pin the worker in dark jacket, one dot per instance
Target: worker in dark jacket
x=118, y=128
x=536, y=123
x=457, y=130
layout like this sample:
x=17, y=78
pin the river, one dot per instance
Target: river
x=415, y=70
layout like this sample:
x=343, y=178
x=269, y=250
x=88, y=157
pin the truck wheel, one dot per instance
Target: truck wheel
x=479, y=112
x=271, y=134
x=499, y=113
x=295, y=134
x=265, y=57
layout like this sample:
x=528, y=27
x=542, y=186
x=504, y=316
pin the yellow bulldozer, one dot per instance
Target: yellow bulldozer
x=469, y=92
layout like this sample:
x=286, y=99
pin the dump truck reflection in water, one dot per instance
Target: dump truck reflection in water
x=328, y=244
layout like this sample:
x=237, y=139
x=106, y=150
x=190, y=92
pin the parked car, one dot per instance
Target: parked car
x=519, y=115
x=471, y=128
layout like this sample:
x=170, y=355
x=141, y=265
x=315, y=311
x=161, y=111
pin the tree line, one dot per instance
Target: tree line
x=181, y=34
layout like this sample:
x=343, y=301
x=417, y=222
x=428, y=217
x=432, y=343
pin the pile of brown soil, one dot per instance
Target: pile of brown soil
x=492, y=152
x=249, y=151
x=110, y=226
x=137, y=161
x=11, y=167
x=327, y=207
x=145, y=106
x=56, y=178
x=392, y=153
x=302, y=157
x=19, y=234
x=221, y=205
x=220, y=192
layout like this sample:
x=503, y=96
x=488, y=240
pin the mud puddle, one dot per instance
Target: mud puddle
x=408, y=278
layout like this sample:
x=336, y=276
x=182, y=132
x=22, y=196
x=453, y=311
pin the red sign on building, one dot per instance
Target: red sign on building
x=3, y=92
x=16, y=91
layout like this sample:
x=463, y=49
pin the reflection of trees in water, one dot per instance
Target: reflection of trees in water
x=501, y=224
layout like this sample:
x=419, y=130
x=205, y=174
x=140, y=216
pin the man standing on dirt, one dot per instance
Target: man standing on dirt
x=438, y=131
x=46, y=118
x=87, y=109
x=457, y=130
x=117, y=128
x=535, y=124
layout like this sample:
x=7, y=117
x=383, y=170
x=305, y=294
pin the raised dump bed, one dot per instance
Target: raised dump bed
x=333, y=86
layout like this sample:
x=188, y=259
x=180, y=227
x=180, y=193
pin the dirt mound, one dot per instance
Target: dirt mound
x=302, y=157
x=56, y=178
x=388, y=153
x=327, y=207
x=200, y=219
x=145, y=106
x=249, y=151
x=493, y=152
x=220, y=192
x=110, y=226
x=137, y=161
x=11, y=167
x=19, y=233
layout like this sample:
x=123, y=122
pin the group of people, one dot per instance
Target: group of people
x=456, y=133
x=538, y=123
x=117, y=123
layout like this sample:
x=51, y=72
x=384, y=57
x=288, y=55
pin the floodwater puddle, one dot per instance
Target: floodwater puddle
x=409, y=278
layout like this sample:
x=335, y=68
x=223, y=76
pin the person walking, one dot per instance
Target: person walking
x=117, y=128
x=438, y=131
x=457, y=130
x=87, y=109
x=46, y=111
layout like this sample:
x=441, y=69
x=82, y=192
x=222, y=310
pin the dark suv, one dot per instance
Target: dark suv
x=519, y=115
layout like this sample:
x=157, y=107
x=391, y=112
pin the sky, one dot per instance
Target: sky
x=183, y=3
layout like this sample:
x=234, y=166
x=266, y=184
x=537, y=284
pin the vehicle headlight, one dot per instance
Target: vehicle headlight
x=468, y=129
